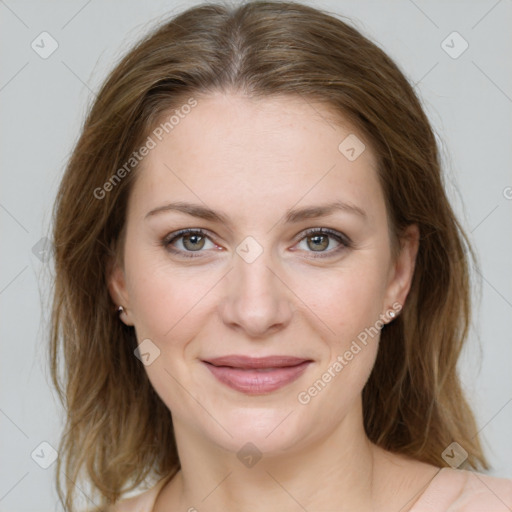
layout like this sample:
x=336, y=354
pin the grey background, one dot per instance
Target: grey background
x=43, y=102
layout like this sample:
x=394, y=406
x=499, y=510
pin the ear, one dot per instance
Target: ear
x=117, y=288
x=402, y=271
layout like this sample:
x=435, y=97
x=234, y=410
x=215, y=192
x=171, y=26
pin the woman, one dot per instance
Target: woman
x=261, y=288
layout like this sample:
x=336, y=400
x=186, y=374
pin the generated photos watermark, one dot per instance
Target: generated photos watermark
x=152, y=141
x=357, y=345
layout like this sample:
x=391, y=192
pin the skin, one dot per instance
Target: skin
x=253, y=160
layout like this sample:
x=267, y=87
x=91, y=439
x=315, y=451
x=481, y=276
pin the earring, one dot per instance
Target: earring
x=120, y=309
x=392, y=314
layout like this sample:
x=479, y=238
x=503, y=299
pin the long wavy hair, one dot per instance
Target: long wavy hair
x=118, y=431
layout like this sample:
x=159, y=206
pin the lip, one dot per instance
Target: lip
x=256, y=375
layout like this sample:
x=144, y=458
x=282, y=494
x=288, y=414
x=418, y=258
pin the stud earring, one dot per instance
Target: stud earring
x=120, y=309
x=392, y=314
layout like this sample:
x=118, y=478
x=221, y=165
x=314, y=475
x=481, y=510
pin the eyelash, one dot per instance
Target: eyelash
x=345, y=242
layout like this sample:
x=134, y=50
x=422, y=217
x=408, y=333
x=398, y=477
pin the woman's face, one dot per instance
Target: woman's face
x=256, y=284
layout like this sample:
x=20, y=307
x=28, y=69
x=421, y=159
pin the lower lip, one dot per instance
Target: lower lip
x=257, y=382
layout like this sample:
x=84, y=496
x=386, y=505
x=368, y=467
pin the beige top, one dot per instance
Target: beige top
x=451, y=490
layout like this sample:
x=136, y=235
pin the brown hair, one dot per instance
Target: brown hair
x=118, y=430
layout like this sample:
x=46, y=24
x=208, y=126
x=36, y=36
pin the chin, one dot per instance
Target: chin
x=267, y=430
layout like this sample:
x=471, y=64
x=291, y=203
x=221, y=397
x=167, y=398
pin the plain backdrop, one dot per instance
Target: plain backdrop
x=466, y=92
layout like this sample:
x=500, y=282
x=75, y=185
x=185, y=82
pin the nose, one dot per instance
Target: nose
x=256, y=301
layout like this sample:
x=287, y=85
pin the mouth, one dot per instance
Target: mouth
x=256, y=376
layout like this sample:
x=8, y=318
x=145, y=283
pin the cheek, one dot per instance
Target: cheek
x=158, y=297
x=350, y=307
x=344, y=300
x=167, y=302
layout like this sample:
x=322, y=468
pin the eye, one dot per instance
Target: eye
x=319, y=239
x=192, y=240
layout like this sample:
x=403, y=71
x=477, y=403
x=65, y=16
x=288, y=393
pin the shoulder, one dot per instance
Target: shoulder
x=461, y=490
x=143, y=502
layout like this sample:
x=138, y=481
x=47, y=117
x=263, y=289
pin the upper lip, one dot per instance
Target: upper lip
x=247, y=362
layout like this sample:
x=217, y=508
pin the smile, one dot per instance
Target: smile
x=256, y=376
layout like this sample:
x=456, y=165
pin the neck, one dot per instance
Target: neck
x=335, y=472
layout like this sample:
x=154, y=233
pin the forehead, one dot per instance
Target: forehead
x=243, y=154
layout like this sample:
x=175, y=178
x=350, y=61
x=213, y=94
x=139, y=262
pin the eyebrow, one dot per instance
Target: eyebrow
x=291, y=216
